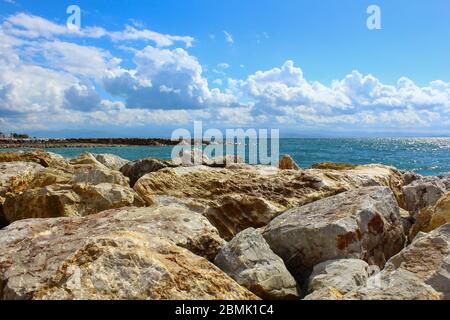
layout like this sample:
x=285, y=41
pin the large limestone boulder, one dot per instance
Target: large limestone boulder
x=45, y=159
x=49, y=176
x=111, y=255
x=423, y=193
x=360, y=224
x=428, y=258
x=97, y=175
x=242, y=196
x=337, y=277
x=16, y=176
x=234, y=212
x=249, y=260
x=136, y=169
x=111, y=161
x=433, y=217
x=66, y=200
x=363, y=176
x=184, y=227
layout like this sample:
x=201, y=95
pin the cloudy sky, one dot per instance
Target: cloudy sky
x=144, y=68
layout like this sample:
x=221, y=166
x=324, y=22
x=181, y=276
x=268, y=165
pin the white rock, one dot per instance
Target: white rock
x=249, y=260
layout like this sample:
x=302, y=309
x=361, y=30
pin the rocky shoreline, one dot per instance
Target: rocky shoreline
x=101, y=227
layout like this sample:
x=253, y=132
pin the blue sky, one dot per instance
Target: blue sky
x=303, y=66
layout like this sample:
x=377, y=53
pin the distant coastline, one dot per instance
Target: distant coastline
x=9, y=143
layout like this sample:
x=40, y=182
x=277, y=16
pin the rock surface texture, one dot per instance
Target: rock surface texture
x=97, y=175
x=111, y=161
x=100, y=227
x=433, y=217
x=428, y=257
x=423, y=193
x=242, y=197
x=136, y=169
x=343, y=276
x=116, y=254
x=419, y=272
x=14, y=178
x=360, y=224
x=287, y=163
x=66, y=200
x=395, y=285
x=249, y=260
x=45, y=159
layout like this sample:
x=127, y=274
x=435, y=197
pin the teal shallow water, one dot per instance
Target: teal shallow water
x=428, y=156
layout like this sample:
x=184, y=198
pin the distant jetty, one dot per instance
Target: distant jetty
x=85, y=142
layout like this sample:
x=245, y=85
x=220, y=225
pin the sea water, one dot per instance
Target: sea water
x=428, y=156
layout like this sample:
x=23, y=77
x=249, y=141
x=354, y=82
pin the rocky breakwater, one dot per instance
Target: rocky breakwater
x=129, y=253
x=76, y=229
x=361, y=224
x=78, y=187
x=242, y=196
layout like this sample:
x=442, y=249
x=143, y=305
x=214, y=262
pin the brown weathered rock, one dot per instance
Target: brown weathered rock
x=16, y=176
x=287, y=163
x=49, y=176
x=45, y=159
x=236, y=212
x=360, y=224
x=249, y=260
x=111, y=255
x=60, y=200
x=136, y=169
x=432, y=217
x=334, y=166
x=241, y=197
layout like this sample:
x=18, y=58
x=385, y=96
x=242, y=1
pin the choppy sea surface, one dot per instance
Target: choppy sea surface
x=427, y=156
